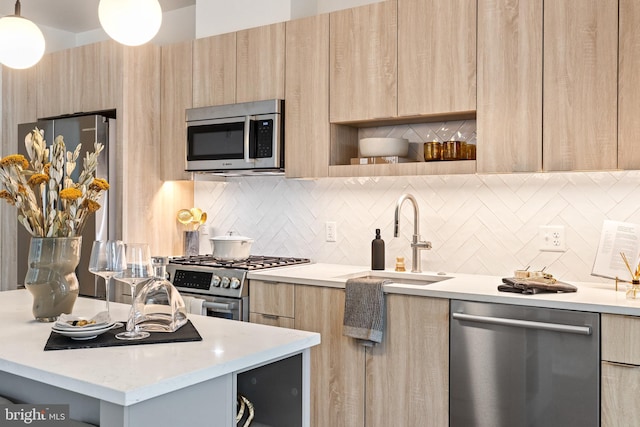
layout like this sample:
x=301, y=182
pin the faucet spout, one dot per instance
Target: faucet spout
x=416, y=244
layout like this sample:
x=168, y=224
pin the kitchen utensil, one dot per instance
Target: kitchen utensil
x=185, y=216
x=383, y=147
x=231, y=247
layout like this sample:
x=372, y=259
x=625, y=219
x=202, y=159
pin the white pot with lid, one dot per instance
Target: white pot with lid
x=231, y=247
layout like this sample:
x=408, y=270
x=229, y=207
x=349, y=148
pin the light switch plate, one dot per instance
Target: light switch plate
x=331, y=231
x=552, y=238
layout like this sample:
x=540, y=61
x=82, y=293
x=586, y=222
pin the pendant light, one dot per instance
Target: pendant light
x=21, y=41
x=130, y=22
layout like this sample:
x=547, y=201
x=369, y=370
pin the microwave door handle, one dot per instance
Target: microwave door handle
x=247, y=134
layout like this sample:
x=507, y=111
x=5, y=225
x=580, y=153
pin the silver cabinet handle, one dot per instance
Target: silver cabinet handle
x=554, y=327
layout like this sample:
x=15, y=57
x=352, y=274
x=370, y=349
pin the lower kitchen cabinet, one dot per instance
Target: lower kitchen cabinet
x=404, y=381
x=407, y=375
x=272, y=303
x=620, y=370
x=337, y=364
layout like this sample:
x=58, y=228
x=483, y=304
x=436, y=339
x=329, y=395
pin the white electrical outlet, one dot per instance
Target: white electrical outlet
x=552, y=238
x=331, y=231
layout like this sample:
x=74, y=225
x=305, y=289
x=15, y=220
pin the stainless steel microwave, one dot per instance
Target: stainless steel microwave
x=247, y=136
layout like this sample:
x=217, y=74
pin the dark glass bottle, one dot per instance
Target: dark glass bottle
x=377, y=252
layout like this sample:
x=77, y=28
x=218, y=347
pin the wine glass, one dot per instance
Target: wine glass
x=138, y=270
x=107, y=259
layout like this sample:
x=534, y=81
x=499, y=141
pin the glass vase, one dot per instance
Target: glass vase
x=51, y=277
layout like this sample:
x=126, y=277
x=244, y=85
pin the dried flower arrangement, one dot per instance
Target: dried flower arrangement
x=49, y=202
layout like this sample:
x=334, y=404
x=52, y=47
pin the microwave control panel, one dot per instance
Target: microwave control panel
x=264, y=139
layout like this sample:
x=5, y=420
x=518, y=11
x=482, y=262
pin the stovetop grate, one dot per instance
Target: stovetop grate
x=254, y=262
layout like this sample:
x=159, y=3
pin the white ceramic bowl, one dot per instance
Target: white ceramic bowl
x=384, y=147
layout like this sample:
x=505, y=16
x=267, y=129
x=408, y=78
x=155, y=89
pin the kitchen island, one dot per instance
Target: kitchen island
x=185, y=383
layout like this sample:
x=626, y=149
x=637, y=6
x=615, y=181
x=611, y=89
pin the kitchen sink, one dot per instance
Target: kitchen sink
x=400, y=278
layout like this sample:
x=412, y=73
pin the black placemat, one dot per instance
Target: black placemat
x=187, y=332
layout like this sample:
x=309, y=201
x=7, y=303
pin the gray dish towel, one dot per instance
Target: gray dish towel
x=364, y=310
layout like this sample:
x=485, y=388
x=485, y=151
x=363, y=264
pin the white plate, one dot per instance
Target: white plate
x=92, y=327
x=83, y=334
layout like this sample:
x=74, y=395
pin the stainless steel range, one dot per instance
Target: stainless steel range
x=222, y=284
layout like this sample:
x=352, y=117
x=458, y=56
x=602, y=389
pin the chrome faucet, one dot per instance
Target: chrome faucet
x=416, y=244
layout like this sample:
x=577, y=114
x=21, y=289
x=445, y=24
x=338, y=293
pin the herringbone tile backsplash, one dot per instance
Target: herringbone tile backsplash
x=483, y=224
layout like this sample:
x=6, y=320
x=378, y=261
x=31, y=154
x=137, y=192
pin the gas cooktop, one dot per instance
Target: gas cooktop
x=254, y=262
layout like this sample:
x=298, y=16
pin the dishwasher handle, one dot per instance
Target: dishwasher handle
x=554, y=327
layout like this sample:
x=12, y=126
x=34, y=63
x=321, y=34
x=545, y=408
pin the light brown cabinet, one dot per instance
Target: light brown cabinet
x=214, y=70
x=628, y=85
x=260, y=63
x=363, y=62
x=620, y=370
x=407, y=381
x=176, y=95
x=436, y=56
x=580, y=54
x=306, y=122
x=509, y=113
x=272, y=303
x=337, y=364
x=83, y=79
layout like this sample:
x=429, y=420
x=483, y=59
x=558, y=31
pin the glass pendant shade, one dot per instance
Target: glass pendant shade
x=21, y=42
x=130, y=22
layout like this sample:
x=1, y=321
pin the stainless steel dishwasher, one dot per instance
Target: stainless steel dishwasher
x=516, y=366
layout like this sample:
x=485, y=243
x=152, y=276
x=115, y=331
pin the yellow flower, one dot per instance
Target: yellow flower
x=38, y=178
x=46, y=168
x=99, y=184
x=21, y=189
x=4, y=194
x=70, y=194
x=91, y=205
x=15, y=159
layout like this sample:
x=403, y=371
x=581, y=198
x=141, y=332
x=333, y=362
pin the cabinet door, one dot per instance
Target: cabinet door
x=580, y=85
x=337, y=364
x=260, y=63
x=363, y=62
x=509, y=86
x=620, y=387
x=176, y=95
x=306, y=122
x=272, y=298
x=97, y=70
x=436, y=56
x=56, y=84
x=628, y=84
x=214, y=70
x=407, y=380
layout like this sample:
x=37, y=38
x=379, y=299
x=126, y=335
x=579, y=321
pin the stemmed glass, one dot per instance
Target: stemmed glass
x=107, y=259
x=138, y=270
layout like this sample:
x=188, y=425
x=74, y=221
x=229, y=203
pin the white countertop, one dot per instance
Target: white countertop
x=129, y=374
x=594, y=297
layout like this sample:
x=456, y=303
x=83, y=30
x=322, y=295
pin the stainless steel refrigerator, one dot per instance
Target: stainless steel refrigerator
x=85, y=130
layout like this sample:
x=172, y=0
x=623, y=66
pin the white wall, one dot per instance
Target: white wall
x=482, y=224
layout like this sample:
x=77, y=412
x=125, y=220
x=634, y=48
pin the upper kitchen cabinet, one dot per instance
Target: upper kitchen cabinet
x=363, y=62
x=509, y=113
x=307, y=130
x=83, y=79
x=214, y=70
x=628, y=85
x=176, y=95
x=580, y=84
x=436, y=56
x=260, y=63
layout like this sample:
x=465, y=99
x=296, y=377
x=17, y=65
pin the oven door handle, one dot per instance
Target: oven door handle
x=221, y=305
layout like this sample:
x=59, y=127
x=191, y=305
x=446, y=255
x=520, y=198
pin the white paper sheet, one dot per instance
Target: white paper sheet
x=617, y=237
